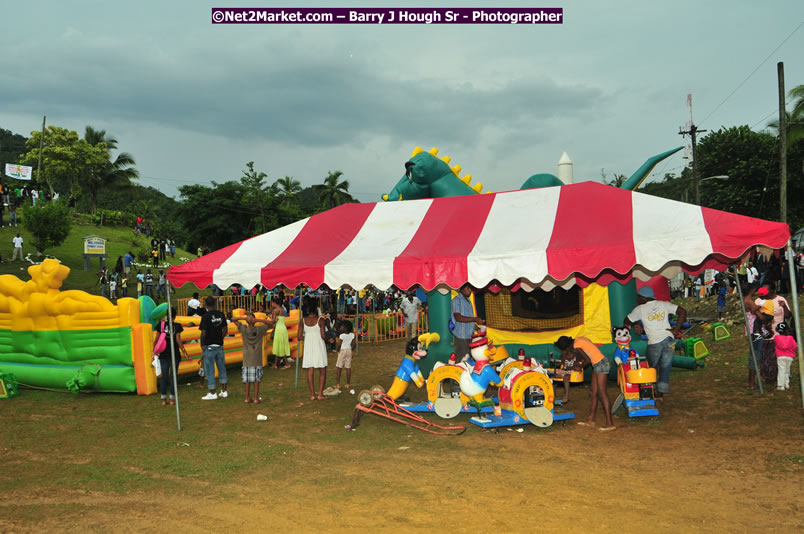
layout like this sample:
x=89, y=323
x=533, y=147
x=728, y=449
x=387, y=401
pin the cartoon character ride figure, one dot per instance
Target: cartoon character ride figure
x=409, y=369
x=476, y=379
x=635, y=377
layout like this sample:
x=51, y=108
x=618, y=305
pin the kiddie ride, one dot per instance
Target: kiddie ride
x=525, y=391
x=377, y=402
x=637, y=380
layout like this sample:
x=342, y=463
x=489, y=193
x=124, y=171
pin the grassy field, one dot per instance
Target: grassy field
x=119, y=241
x=718, y=458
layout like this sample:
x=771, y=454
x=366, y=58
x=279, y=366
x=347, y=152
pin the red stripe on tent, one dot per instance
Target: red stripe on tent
x=732, y=235
x=200, y=271
x=321, y=240
x=593, y=230
x=447, y=234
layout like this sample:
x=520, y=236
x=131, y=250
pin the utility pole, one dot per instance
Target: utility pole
x=693, y=131
x=41, y=144
x=782, y=146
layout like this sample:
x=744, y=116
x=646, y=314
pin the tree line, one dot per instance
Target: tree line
x=92, y=176
x=750, y=159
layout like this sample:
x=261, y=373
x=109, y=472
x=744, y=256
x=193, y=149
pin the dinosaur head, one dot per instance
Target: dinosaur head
x=424, y=169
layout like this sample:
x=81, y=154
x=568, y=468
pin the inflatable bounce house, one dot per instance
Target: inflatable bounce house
x=80, y=342
x=522, y=317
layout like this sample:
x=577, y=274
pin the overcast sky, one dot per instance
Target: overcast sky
x=194, y=102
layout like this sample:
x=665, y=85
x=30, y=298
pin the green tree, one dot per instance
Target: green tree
x=213, y=216
x=289, y=209
x=672, y=187
x=288, y=188
x=117, y=172
x=617, y=181
x=259, y=197
x=750, y=160
x=794, y=119
x=49, y=222
x=145, y=209
x=65, y=158
x=335, y=192
x=12, y=147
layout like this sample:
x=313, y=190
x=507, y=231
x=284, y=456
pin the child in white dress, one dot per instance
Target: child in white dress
x=314, y=355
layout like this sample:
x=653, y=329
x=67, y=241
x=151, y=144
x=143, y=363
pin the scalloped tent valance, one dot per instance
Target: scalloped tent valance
x=554, y=236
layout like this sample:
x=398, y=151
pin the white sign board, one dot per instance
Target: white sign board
x=20, y=172
x=94, y=245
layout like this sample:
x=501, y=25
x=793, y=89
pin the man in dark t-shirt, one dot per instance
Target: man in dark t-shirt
x=213, y=329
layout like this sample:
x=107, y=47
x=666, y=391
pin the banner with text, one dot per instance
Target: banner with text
x=20, y=172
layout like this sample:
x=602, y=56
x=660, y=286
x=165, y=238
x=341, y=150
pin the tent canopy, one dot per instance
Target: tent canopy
x=579, y=233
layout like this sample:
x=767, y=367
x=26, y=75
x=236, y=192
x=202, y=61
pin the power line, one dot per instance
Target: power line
x=769, y=115
x=753, y=71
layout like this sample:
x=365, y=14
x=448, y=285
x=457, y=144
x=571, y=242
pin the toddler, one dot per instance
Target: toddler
x=785, y=354
x=346, y=343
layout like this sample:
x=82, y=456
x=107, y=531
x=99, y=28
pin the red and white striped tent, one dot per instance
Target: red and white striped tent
x=579, y=233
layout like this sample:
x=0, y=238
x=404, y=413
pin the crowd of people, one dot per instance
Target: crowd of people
x=114, y=284
x=321, y=331
x=161, y=249
x=317, y=333
x=13, y=197
x=762, y=279
x=772, y=341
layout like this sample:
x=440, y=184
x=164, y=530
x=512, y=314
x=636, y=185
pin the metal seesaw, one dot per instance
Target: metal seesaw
x=375, y=401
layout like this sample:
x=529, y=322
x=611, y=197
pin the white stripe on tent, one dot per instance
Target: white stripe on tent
x=245, y=264
x=369, y=258
x=514, y=241
x=665, y=230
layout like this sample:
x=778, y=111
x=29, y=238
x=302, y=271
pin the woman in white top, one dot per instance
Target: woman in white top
x=314, y=355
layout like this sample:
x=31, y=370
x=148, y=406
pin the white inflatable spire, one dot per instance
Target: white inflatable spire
x=565, y=173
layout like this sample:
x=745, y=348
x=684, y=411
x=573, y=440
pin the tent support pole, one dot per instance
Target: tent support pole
x=173, y=362
x=357, y=334
x=748, y=334
x=299, y=346
x=791, y=265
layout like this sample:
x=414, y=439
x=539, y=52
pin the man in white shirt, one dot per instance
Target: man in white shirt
x=410, y=307
x=17, y=248
x=655, y=317
x=194, y=306
x=752, y=274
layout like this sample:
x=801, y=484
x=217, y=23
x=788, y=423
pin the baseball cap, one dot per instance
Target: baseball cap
x=646, y=292
x=762, y=292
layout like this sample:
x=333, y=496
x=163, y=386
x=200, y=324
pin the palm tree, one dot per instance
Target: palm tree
x=144, y=209
x=794, y=119
x=118, y=172
x=335, y=193
x=287, y=187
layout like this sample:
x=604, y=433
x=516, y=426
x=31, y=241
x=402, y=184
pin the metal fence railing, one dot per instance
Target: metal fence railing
x=369, y=327
x=379, y=327
x=227, y=303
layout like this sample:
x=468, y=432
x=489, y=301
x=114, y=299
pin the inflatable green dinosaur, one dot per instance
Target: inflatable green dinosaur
x=429, y=176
